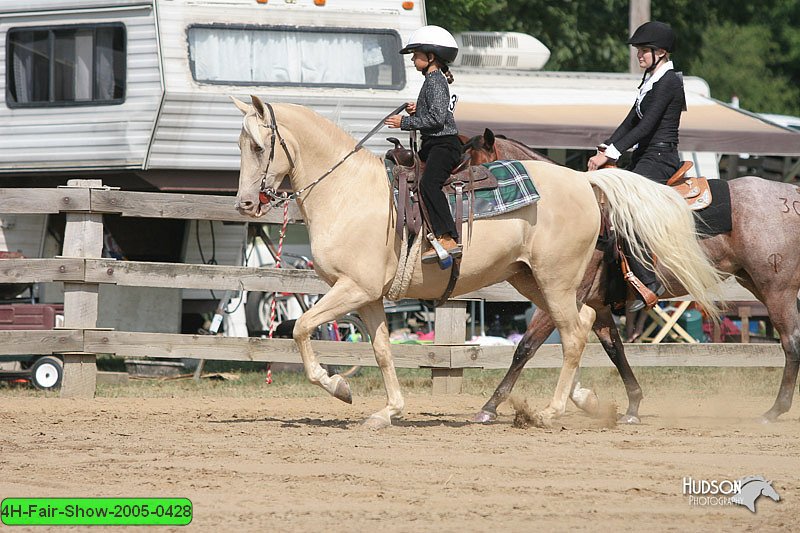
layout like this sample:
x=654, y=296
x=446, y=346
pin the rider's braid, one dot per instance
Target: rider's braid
x=446, y=71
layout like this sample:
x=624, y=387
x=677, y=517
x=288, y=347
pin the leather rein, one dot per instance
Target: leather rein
x=269, y=195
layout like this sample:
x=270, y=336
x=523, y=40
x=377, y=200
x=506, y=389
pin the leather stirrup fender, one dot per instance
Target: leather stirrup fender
x=650, y=298
x=680, y=173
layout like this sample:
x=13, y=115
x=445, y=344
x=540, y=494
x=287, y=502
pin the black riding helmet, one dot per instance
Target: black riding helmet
x=654, y=34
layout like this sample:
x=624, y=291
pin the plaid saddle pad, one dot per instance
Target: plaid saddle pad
x=515, y=189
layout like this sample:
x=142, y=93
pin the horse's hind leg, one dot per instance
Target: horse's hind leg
x=573, y=326
x=539, y=329
x=574, y=329
x=785, y=316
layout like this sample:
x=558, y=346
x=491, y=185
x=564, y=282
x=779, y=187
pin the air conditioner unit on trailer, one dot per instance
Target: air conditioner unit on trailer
x=504, y=50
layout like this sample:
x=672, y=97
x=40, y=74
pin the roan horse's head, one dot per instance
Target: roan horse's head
x=481, y=148
x=490, y=147
x=266, y=159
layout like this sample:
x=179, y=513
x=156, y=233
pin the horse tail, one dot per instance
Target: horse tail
x=650, y=216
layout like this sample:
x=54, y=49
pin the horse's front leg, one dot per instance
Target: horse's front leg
x=539, y=329
x=375, y=319
x=606, y=330
x=343, y=297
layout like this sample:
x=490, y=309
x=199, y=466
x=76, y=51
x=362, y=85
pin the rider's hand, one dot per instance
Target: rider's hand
x=411, y=108
x=393, y=121
x=597, y=161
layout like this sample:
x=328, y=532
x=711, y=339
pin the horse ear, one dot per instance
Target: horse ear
x=258, y=105
x=488, y=137
x=244, y=108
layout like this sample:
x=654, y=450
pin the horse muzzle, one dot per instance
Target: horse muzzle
x=249, y=207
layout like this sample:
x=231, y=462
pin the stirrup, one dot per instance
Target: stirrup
x=437, y=254
x=639, y=302
x=455, y=253
x=431, y=256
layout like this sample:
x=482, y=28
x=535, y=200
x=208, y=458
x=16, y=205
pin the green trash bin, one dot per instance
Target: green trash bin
x=692, y=321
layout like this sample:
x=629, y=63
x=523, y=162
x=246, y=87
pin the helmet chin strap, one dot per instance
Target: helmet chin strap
x=652, y=67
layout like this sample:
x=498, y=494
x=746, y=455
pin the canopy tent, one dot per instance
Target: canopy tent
x=580, y=110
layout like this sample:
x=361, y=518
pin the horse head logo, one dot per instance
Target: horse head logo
x=752, y=488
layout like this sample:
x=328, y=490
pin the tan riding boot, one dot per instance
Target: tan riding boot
x=448, y=243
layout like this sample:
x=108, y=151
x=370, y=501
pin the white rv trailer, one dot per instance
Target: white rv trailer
x=136, y=92
x=144, y=85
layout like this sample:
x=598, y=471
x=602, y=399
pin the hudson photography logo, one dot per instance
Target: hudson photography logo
x=727, y=492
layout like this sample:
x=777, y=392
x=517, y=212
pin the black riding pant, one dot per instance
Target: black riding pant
x=441, y=155
x=657, y=163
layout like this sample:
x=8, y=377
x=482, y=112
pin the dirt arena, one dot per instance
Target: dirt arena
x=303, y=464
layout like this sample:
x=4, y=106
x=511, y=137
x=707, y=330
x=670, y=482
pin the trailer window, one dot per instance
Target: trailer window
x=296, y=56
x=66, y=65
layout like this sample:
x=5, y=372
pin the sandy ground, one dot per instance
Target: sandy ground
x=305, y=464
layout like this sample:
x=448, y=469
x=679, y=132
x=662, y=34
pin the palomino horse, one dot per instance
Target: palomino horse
x=761, y=252
x=346, y=200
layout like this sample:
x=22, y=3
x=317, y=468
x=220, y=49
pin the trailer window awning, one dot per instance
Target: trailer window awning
x=707, y=126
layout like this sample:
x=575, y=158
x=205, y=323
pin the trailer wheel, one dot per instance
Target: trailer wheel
x=46, y=373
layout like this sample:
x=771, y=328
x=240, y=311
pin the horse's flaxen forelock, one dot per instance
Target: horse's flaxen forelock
x=251, y=126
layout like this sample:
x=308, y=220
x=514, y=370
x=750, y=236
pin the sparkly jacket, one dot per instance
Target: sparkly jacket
x=435, y=106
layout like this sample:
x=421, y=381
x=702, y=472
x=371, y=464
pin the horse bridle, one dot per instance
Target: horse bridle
x=268, y=195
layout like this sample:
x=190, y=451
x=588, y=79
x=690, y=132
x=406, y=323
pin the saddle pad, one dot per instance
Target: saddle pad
x=716, y=218
x=515, y=190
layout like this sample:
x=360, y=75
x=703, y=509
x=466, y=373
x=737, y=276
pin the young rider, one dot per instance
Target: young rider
x=433, y=48
x=651, y=127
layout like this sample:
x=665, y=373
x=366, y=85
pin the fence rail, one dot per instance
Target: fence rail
x=82, y=270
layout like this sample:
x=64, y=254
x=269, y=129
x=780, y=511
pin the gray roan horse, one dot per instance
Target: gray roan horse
x=541, y=249
x=762, y=252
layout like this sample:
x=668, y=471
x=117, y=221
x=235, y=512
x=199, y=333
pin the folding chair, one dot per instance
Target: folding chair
x=666, y=322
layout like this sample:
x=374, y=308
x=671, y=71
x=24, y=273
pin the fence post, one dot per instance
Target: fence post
x=83, y=237
x=450, y=328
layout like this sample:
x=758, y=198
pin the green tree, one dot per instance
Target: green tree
x=580, y=35
x=734, y=61
x=740, y=47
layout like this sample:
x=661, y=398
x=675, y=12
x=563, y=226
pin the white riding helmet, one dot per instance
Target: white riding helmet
x=434, y=40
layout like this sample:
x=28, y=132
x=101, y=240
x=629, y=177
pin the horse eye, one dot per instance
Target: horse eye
x=256, y=147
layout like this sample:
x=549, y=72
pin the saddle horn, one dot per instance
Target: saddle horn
x=396, y=142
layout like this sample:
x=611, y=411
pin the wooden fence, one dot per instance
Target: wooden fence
x=82, y=270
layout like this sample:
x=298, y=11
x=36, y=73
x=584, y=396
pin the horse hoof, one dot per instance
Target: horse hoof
x=586, y=400
x=542, y=420
x=484, y=417
x=629, y=419
x=376, y=422
x=342, y=390
x=769, y=417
